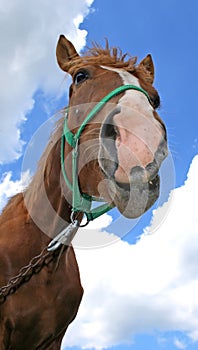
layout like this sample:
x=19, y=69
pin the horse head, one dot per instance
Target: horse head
x=123, y=145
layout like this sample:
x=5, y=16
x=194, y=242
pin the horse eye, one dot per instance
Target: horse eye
x=80, y=77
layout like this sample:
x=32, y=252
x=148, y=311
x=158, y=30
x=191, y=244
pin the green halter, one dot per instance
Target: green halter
x=81, y=202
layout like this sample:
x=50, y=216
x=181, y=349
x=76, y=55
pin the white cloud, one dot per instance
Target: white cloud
x=180, y=344
x=28, y=34
x=9, y=188
x=149, y=286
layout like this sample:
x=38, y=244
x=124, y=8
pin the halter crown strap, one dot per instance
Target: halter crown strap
x=81, y=202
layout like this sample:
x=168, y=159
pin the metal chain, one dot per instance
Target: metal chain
x=34, y=267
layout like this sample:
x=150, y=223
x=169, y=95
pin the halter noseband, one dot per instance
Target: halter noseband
x=81, y=202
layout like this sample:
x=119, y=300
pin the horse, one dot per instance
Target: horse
x=108, y=145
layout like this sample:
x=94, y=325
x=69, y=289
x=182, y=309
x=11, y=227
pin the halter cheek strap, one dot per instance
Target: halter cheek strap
x=81, y=202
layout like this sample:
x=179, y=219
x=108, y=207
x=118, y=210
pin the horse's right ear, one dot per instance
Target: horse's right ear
x=65, y=52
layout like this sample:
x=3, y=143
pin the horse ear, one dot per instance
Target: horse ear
x=148, y=67
x=65, y=52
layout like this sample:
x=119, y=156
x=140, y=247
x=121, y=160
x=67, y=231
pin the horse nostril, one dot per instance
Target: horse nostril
x=109, y=129
x=161, y=152
x=152, y=170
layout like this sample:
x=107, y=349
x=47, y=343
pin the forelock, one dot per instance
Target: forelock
x=97, y=55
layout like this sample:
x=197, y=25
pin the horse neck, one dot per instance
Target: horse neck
x=44, y=199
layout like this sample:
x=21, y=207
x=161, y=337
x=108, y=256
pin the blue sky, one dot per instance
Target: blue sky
x=155, y=305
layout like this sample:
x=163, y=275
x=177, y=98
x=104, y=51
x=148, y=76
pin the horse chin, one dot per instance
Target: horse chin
x=134, y=199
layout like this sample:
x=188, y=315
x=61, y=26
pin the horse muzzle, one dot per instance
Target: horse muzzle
x=132, y=148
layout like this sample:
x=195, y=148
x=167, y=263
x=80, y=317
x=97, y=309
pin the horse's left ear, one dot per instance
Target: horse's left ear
x=148, y=67
x=65, y=52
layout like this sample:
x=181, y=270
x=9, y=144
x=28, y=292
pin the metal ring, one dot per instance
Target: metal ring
x=73, y=219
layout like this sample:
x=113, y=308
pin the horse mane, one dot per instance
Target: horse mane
x=97, y=55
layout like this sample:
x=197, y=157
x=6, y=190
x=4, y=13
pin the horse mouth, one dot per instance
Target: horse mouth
x=134, y=199
x=152, y=184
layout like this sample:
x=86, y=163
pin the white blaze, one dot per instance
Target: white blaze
x=139, y=133
x=133, y=98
